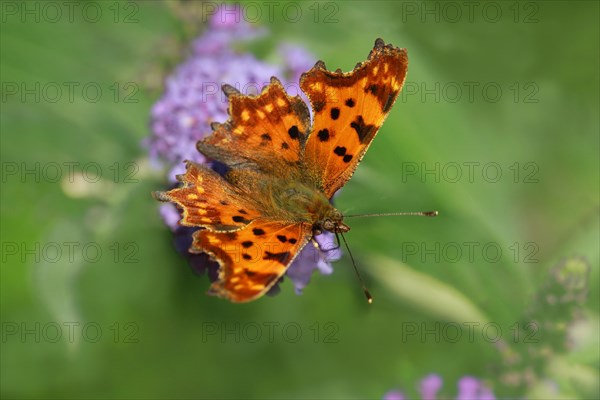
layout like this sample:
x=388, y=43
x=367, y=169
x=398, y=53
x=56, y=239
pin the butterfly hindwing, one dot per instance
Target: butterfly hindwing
x=209, y=201
x=252, y=259
x=349, y=108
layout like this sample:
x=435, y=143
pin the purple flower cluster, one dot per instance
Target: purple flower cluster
x=469, y=388
x=192, y=99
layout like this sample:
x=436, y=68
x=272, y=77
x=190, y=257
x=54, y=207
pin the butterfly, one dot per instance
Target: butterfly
x=283, y=169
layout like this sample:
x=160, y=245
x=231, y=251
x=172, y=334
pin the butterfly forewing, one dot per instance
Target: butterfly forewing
x=265, y=132
x=349, y=109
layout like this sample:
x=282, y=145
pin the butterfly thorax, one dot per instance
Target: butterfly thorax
x=303, y=203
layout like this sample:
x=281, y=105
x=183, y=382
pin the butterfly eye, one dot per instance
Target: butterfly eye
x=328, y=225
x=337, y=216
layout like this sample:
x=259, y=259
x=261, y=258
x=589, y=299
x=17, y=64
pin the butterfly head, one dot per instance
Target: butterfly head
x=333, y=221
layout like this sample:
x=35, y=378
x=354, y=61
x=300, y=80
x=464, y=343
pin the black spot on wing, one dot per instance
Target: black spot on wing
x=281, y=258
x=372, y=89
x=340, y=151
x=285, y=146
x=247, y=244
x=335, y=113
x=282, y=238
x=258, y=232
x=240, y=218
x=365, y=132
x=350, y=103
x=259, y=277
x=294, y=132
x=323, y=135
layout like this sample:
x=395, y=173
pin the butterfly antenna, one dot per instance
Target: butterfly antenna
x=362, y=283
x=416, y=213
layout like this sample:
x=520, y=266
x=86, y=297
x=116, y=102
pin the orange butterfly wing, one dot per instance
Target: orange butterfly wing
x=349, y=108
x=265, y=132
x=253, y=250
x=252, y=259
x=209, y=201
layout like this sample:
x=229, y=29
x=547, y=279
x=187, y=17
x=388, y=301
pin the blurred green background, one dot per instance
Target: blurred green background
x=134, y=322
